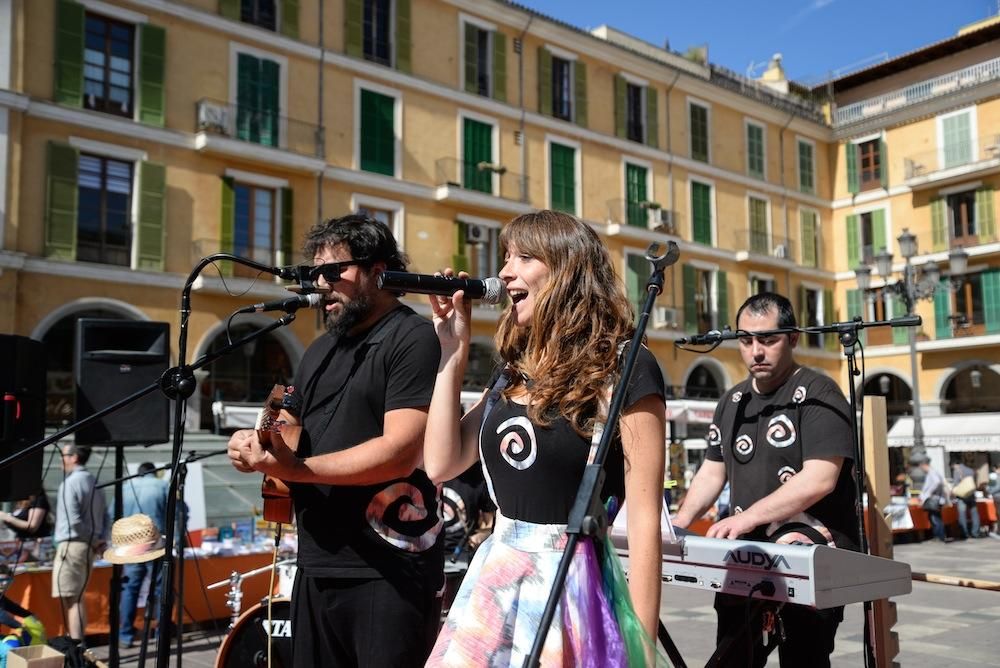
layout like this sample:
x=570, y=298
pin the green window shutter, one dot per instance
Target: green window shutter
x=270, y=92
x=986, y=215
x=227, y=222
x=620, y=105
x=690, y=277
x=69, y=53
x=957, y=147
x=477, y=147
x=544, y=81
x=939, y=228
x=152, y=68
x=942, y=311
x=247, y=101
x=290, y=18
x=991, y=300
x=830, y=341
x=403, y=41
x=853, y=181
x=562, y=170
x=722, y=305
x=802, y=315
x=580, y=91
x=151, y=229
x=460, y=261
x=755, y=151
x=652, y=118
x=471, y=59
x=853, y=242
x=287, y=225
x=61, y=201
x=878, y=231
x=377, y=133
x=701, y=212
x=807, y=177
x=353, y=20
x=635, y=193
x=698, y=123
x=759, y=242
x=499, y=66
x=230, y=9
x=807, y=221
x=883, y=163
x=900, y=335
x=636, y=273
x=856, y=307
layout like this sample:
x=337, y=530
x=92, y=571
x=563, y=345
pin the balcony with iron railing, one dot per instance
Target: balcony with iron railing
x=256, y=126
x=923, y=91
x=760, y=243
x=963, y=157
x=482, y=177
x=644, y=215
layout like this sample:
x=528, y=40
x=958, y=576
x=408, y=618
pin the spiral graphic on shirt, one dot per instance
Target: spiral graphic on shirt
x=400, y=515
x=714, y=436
x=784, y=473
x=743, y=448
x=453, y=511
x=517, y=446
x=737, y=395
x=800, y=394
x=780, y=431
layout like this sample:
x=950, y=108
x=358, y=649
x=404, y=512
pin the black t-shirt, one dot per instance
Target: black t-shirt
x=534, y=472
x=45, y=528
x=390, y=530
x=764, y=439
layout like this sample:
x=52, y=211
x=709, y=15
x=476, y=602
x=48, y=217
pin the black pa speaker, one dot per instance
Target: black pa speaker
x=115, y=359
x=22, y=384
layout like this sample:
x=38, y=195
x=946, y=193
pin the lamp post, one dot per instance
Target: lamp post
x=912, y=287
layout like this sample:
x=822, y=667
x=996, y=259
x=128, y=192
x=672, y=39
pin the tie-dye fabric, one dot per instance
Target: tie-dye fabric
x=499, y=606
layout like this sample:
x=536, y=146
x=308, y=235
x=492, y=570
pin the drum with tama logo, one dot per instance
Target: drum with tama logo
x=246, y=644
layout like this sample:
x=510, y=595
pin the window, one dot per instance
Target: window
x=637, y=271
x=963, y=218
x=485, y=61
x=108, y=65
x=377, y=31
x=810, y=238
x=384, y=216
x=869, y=161
x=760, y=238
x=636, y=197
x=105, y=205
x=258, y=91
x=969, y=301
x=701, y=212
x=478, y=248
x=254, y=226
x=956, y=139
x=705, y=299
x=260, y=13
x=562, y=177
x=759, y=284
x=755, y=150
x=810, y=315
x=562, y=88
x=387, y=211
x=973, y=309
x=698, y=123
x=866, y=236
x=962, y=214
x=636, y=112
x=807, y=167
x=477, y=157
x=378, y=136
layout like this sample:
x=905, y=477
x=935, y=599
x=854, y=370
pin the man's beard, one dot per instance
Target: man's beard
x=351, y=314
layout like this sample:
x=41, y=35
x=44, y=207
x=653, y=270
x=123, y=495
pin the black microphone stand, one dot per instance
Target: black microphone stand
x=588, y=518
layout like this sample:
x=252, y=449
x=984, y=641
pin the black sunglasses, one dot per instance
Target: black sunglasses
x=331, y=270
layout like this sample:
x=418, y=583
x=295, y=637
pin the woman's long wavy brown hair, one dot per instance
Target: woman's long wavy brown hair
x=580, y=317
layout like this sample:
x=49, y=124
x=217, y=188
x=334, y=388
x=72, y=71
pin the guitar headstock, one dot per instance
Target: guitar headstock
x=268, y=415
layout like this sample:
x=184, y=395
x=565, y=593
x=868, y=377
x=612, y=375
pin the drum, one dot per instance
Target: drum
x=246, y=644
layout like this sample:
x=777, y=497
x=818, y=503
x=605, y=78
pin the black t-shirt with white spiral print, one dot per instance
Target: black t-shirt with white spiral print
x=764, y=439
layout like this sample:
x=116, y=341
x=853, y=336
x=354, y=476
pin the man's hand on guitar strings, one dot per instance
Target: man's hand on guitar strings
x=278, y=461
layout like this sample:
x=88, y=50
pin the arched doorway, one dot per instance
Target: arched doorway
x=702, y=383
x=898, y=395
x=974, y=389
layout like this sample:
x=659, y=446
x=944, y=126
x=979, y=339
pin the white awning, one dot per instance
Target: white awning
x=690, y=411
x=960, y=432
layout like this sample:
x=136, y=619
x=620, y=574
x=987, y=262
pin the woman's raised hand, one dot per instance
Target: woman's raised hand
x=452, y=316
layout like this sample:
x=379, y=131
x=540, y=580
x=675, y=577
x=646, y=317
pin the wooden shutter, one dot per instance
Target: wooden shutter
x=499, y=66
x=830, y=341
x=807, y=223
x=403, y=41
x=851, y=154
x=61, y=200
x=635, y=279
x=69, y=53
x=942, y=312
x=477, y=146
x=151, y=227
x=247, y=101
x=580, y=91
x=856, y=307
x=377, y=133
x=227, y=222
x=230, y=9
x=353, y=26
x=722, y=300
x=701, y=212
x=690, y=277
x=878, y=231
x=635, y=193
x=460, y=261
x=152, y=69
x=986, y=215
x=900, y=335
x=939, y=228
x=290, y=18
x=544, y=81
x=883, y=163
x=652, y=118
x=991, y=300
x=270, y=112
x=621, y=105
x=853, y=242
x=471, y=59
x=287, y=224
x=562, y=170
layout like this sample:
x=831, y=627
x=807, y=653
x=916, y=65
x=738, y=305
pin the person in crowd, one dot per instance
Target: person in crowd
x=81, y=531
x=560, y=341
x=993, y=492
x=31, y=518
x=964, y=495
x=146, y=494
x=933, y=495
x=370, y=555
x=782, y=439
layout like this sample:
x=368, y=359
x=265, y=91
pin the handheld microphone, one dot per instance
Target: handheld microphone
x=489, y=290
x=708, y=338
x=288, y=304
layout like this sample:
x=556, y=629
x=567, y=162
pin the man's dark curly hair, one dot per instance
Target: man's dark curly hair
x=368, y=240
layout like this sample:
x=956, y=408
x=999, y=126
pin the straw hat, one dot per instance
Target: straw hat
x=134, y=539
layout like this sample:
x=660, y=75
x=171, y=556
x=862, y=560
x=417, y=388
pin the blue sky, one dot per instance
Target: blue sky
x=815, y=37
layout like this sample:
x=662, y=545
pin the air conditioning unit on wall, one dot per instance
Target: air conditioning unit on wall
x=781, y=251
x=664, y=317
x=476, y=234
x=662, y=220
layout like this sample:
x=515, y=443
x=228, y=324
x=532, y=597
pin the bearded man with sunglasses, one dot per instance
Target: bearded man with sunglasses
x=370, y=554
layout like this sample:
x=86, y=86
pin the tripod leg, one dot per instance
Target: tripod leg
x=149, y=614
x=668, y=644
